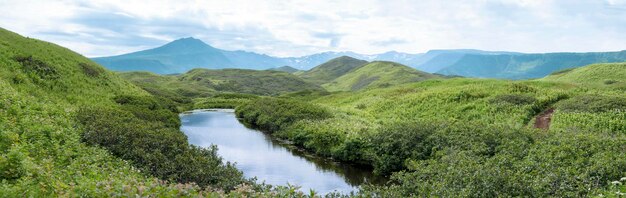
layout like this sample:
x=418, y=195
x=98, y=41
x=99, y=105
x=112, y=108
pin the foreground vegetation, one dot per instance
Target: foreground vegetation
x=70, y=128
x=466, y=137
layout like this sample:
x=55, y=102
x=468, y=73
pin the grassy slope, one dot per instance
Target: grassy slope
x=42, y=153
x=376, y=74
x=331, y=69
x=287, y=69
x=596, y=74
x=39, y=135
x=575, y=157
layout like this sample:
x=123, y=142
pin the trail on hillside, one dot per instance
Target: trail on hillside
x=542, y=121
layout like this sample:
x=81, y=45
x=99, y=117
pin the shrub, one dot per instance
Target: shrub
x=39, y=67
x=154, y=144
x=273, y=114
x=593, y=104
x=515, y=99
x=397, y=142
x=90, y=69
x=521, y=88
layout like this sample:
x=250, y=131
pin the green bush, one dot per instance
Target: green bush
x=273, y=114
x=514, y=99
x=397, y=142
x=156, y=146
x=39, y=67
x=593, y=104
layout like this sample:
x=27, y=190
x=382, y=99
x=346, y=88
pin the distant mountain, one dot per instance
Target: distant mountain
x=332, y=69
x=285, y=68
x=377, y=74
x=435, y=60
x=525, y=66
x=182, y=55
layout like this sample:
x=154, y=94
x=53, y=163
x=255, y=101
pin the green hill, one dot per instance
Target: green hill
x=68, y=127
x=466, y=137
x=605, y=74
x=205, y=82
x=331, y=70
x=377, y=74
x=43, y=86
x=287, y=69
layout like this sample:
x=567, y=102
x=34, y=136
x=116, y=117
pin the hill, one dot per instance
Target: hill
x=205, y=83
x=525, y=66
x=605, y=74
x=440, y=131
x=287, y=69
x=332, y=69
x=377, y=74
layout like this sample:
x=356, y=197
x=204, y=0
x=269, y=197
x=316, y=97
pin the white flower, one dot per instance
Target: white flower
x=616, y=183
x=623, y=179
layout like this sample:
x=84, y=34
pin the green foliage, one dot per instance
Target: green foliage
x=515, y=99
x=91, y=70
x=273, y=114
x=40, y=68
x=593, y=104
x=397, y=142
x=145, y=135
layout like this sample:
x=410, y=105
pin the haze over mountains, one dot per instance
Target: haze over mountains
x=182, y=55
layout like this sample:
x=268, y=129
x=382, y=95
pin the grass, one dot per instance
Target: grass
x=471, y=137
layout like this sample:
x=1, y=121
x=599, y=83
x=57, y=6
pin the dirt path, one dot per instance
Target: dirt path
x=542, y=121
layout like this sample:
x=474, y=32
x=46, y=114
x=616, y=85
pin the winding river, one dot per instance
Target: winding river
x=258, y=155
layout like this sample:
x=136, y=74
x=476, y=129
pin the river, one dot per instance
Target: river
x=258, y=155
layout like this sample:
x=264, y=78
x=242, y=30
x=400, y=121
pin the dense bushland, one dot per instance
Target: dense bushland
x=273, y=114
x=146, y=133
x=464, y=137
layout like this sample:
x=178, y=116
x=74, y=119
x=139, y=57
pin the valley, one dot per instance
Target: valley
x=471, y=124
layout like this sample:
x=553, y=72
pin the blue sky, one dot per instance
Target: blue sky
x=296, y=28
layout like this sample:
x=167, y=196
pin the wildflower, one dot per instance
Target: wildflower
x=616, y=183
x=623, y=179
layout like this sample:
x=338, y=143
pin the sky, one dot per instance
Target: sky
x=297, y=27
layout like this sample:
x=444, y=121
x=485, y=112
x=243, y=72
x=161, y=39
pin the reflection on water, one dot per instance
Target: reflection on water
x=258, y=155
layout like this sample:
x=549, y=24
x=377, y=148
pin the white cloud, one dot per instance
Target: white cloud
x=292, y=28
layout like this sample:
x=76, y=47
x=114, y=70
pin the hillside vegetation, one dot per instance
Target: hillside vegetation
x=331, y=70
x=606, y=74
x=287, y=69
x=376, y=75
x=204, y=82
x=70, y=128
x=465, y=137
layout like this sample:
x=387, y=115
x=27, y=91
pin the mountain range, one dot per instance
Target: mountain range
x=184, y=54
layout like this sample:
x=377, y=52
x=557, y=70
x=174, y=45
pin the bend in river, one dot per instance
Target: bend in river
x=259, y=155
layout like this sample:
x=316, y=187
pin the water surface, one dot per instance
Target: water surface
x=258, y=155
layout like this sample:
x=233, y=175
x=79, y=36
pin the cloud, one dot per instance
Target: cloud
x=294, y=28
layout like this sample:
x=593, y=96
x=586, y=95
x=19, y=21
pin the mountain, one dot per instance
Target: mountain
x=377, y=74
x=332, y=69
x=184, y=54
x=175, y=57
x=206, y=82
x=525, y=66
x=435, y=60
x=285, y=68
